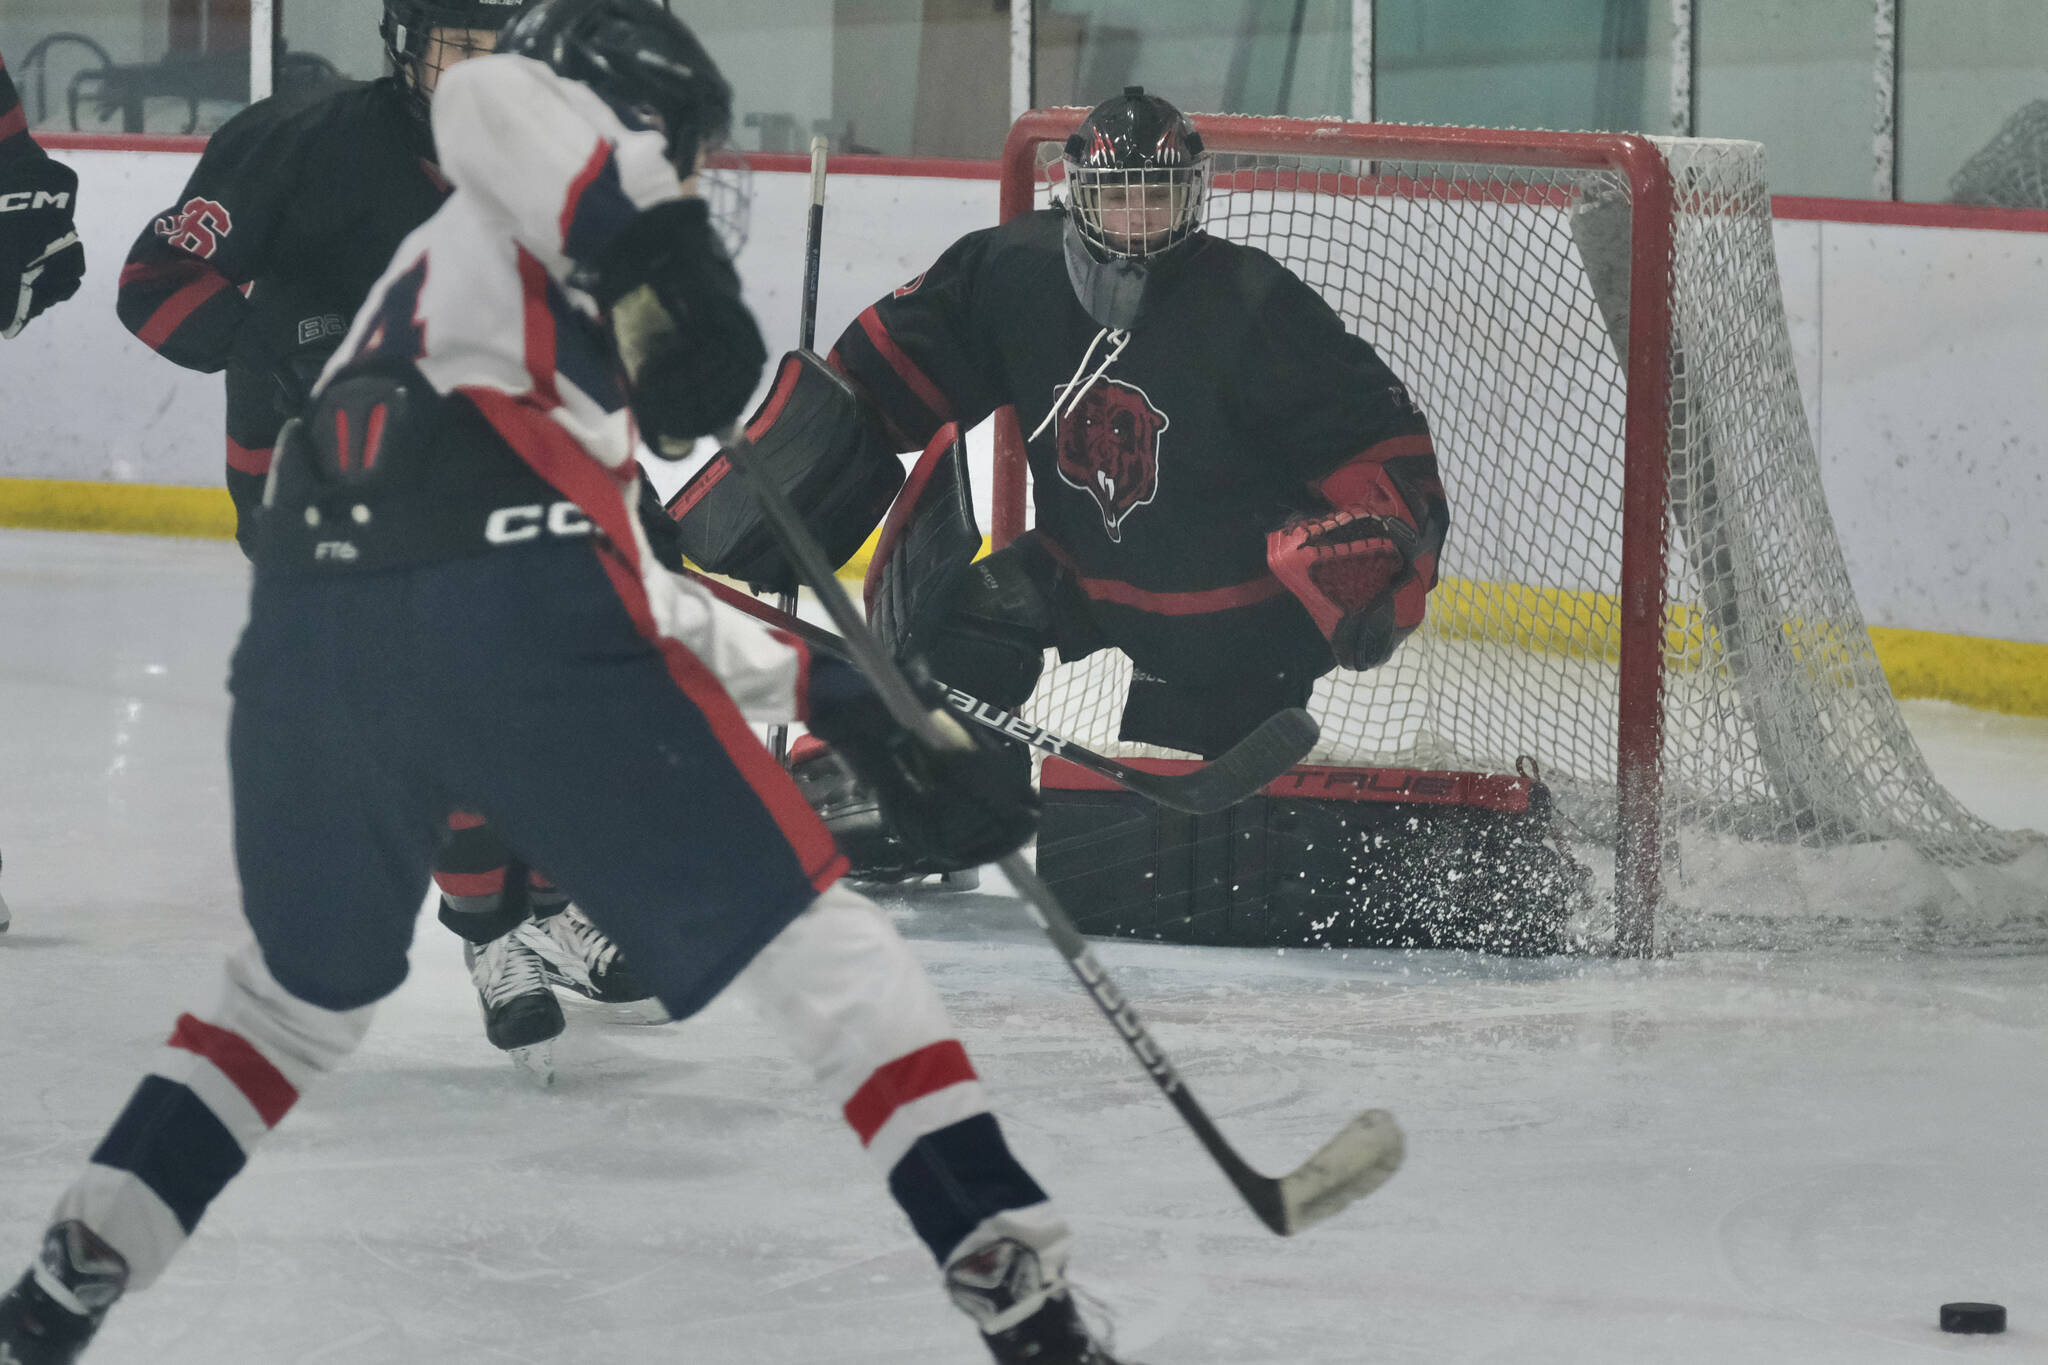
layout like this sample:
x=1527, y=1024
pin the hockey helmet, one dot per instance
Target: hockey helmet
x=644, y=60
x=1136, y=179
x=418, y=56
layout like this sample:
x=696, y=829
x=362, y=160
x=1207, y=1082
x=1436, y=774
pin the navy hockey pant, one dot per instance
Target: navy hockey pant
x=513, y=684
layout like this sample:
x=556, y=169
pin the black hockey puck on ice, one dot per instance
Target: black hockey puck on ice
x=1973, y=1317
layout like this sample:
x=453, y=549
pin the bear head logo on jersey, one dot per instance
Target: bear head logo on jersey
x=1109, y=449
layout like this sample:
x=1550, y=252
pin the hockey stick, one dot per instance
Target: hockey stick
x=1351, y=1165
x=807, y=336
x=1281, y=740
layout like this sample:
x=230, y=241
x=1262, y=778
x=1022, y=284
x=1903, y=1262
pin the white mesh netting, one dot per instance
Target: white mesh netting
x=1496, y=293
x=2011, y=171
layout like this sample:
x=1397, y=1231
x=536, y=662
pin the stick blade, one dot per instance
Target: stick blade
x=1360, y=1159
x=1282, y=740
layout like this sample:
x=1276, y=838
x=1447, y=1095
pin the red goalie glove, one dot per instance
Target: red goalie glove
x=1362, y=570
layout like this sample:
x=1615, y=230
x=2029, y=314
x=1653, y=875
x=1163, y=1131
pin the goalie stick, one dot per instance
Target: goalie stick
x=1351, y=1165
x=1282, y=740
x=807, y=336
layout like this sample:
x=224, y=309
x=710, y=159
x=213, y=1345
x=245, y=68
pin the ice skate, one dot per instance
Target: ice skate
x=579, y=958
x=522, y=1018
x=1026, y=1314
x=52, y=1312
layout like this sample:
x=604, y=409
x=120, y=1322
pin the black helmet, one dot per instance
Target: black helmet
x=638, y=56
x=1136, y=180
x=408, y=30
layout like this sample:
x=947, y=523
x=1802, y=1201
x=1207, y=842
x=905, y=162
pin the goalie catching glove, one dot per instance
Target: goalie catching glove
x=959, y=806
x=41, y=260
x=1362, y=569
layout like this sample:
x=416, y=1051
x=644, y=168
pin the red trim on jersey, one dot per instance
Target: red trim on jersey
x=13, y=123
x=262, y=1084
x=585, y=178
x=540, y=331
x=147, y=272
x=471, y=883
x=895, y=1084
x=603, y=495
x=248, y=459
x=172, y=314
x=916, y=380
x=465, y=819
x=1198, y=603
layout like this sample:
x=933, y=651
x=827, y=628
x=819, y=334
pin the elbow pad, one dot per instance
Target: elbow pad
x=691, y=349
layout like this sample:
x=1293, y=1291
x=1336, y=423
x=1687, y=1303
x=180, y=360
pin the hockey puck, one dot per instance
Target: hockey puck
x=1973, y=1317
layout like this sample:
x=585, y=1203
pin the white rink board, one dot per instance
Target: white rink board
x=1919, y=352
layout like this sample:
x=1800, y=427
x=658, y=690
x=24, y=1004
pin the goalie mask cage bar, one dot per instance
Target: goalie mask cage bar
x=1642, y=589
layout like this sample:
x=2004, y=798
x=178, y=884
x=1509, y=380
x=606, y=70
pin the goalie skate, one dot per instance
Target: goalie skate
x=578, y=958
x=522, y=1018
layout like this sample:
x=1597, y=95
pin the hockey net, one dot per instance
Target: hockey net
x=1642, y=589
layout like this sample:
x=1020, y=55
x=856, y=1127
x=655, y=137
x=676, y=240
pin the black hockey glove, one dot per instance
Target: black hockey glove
x=41, y=260
x=692, y=351
x=960, y=806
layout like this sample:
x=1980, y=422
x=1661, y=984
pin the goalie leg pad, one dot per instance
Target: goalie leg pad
x=815, y=437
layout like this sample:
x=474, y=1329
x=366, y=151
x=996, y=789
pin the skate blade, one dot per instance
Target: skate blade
x=536, y=1062
x=647, y=1012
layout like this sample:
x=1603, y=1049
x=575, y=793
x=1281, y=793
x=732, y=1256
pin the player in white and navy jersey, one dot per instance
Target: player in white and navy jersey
x=454, y=607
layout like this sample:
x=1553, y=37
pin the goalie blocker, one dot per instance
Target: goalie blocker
x=816, y=438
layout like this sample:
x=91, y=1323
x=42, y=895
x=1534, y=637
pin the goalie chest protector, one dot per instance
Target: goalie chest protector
x=1324, y=857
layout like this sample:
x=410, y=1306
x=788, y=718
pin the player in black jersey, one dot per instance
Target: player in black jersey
x=41, y=260
x=302, y=200
x=1230, y=487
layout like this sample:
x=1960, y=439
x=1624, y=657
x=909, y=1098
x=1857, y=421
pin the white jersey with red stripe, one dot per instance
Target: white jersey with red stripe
x=483, y=299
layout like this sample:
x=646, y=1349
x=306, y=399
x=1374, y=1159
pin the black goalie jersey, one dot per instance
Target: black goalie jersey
x=1237, y=403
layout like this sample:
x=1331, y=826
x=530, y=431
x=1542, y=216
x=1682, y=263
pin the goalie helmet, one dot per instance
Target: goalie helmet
x=418, y=49
x=644, y=60
x=1136, y=178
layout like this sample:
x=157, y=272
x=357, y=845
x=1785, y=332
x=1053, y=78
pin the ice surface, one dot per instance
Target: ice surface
x=1719, y=1157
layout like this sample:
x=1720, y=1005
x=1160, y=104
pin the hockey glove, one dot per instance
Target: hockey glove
x=1356, y=574
x=960, y=806
x=41, y=259
x=691, y=350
